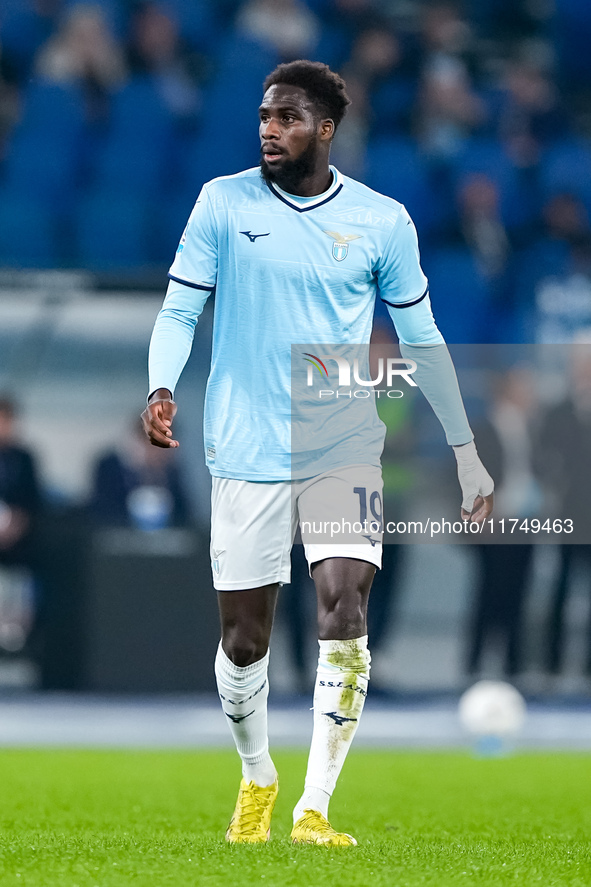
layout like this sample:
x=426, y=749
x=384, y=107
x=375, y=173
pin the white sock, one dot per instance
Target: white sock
x=243, y=694
x=339, y=696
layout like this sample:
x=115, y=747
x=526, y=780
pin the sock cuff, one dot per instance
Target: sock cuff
x=349, y=655
x=236, y=673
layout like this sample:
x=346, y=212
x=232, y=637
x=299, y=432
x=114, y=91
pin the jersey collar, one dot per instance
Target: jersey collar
x=304, y=204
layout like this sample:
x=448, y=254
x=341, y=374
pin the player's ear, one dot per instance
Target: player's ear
x=326, y=129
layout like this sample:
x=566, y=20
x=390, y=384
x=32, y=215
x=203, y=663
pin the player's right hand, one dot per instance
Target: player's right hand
x=476, y=483
x=157, y=419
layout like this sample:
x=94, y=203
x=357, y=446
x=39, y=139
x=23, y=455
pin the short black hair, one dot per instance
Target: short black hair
x=325, y=89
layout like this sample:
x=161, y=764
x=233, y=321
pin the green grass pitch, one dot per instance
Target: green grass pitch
x=108, y=819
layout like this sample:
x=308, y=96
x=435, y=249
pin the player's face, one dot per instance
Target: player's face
x=291, y=136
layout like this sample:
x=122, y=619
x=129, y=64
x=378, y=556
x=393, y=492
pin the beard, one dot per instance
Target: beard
x=292, y=173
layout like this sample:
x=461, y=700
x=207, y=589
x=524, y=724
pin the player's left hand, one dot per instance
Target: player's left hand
x=476, y=483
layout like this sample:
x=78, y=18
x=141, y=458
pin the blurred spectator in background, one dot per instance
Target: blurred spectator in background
x=399, y=480
x=20, y=496
x=375, y=61
x=566, y=224
x=139, y=485
x=566, y=467
x=444, y=31
x=504, y=20
x=287, y=25
x=393, y=86
x=24, y=28
x=449, y=109
x=505, y=438
x=83, y=52
x=9, y=102
x=472, y=114
x=480, y=231
x=155, y=48
x=553, y=289
x=381, y=96
x=480, y=226
x=572, y=33
x=531, y=115
x=20, y=507
x=349, y=148
x=342, y=23
x=297, y=605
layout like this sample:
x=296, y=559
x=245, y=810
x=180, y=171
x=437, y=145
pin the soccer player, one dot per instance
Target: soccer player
x=296, y=253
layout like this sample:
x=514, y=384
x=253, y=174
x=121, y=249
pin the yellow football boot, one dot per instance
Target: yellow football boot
x=251, y=820
x=313, y=828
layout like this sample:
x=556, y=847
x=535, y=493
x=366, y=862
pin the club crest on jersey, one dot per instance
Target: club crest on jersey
x=340, y=247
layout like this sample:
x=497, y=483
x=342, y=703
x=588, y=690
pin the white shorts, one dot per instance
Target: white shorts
x=253, y=524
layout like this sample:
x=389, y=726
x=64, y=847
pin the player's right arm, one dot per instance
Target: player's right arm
x=192, y=279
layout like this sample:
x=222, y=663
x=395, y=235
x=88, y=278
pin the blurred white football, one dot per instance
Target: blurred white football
x=492, y=708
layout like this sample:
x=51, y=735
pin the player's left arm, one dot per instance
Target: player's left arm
x=404, y=289
x=436, y=377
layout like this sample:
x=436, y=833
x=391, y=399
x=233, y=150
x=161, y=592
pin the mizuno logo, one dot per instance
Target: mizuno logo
x=338, y=719
x=253, y=237
x=238, y=718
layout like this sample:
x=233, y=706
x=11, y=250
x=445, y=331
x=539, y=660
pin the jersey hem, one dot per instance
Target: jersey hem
x=291, y=478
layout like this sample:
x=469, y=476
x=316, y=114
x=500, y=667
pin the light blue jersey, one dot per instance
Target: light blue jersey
x=285, y=270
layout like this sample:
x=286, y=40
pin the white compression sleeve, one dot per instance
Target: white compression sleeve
x=421, y=341
x=473, y=476
x=173, y=333
x=436, y=377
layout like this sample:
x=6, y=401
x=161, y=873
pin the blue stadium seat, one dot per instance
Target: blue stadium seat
x=204, y=157
x=244, y=64
x=333, y=47
x=566, y=167
x=197, y=22
x=113, y=230
x=136, y=151
x=488, y=157
x=546, y=259
x=23, y=32
x=392, y=103
x=459, y=295
x=49, y=106
x=28, y=237
x=572, y=35
x=169, y=224
x=395, y=168
x=114, y=13
x=228, y=139
x=45, y=153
